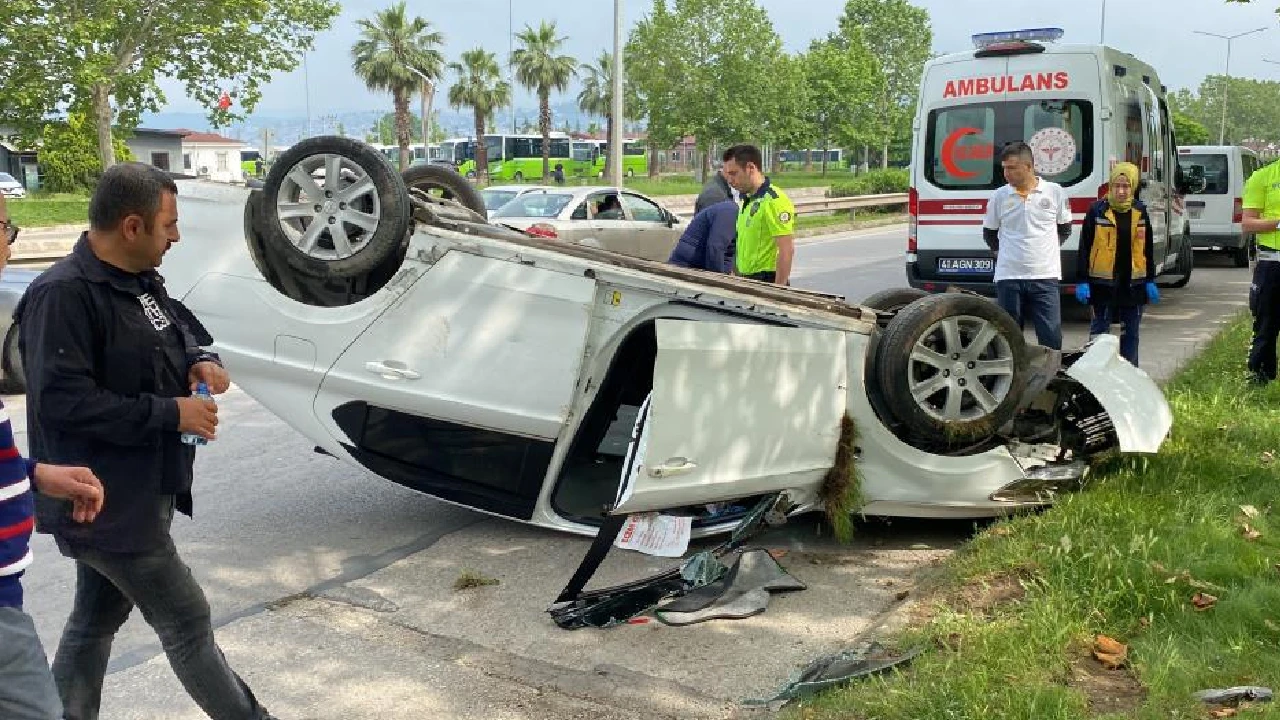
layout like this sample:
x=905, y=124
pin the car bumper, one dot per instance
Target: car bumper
x=1218, y=241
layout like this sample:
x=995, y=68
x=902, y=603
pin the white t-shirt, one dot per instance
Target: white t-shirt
x=1029, y=247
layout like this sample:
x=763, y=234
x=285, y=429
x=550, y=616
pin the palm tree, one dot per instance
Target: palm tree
x=389, y=45
x=480, y=87
x=540, y=69
x=596, y=97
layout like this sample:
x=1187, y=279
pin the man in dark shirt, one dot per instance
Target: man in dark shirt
x=716, y=190
x=708, y=242
x=111, y=361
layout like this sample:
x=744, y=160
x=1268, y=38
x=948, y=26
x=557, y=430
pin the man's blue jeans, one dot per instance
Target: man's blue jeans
x=1129, y=318
x=1040, y=302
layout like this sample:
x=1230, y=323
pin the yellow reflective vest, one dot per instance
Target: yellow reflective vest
x=1099, y=235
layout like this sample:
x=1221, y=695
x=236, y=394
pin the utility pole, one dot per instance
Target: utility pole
x=1222, y=129
x=306, y=83
x=428, y=90
x=615, y=141
x=1102, y=38
x=511, y=66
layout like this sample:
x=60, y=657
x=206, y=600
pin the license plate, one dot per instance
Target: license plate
x=966, y=266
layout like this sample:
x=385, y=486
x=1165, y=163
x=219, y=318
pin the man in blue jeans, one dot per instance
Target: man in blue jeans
x=1027, y=221
x=111, y=361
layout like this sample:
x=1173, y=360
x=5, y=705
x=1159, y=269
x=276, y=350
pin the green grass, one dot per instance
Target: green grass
x=1123, y=558
x=842, y=218
x=44, y=210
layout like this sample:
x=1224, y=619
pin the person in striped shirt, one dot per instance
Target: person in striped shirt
x=27, y=691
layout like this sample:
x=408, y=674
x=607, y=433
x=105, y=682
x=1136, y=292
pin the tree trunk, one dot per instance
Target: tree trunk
x=653, y=159
x=866, y=157
x=403, y=133
x=482, y=152
x=808, y=161
x=544, y=125
x=884, y=159
x=102, y=121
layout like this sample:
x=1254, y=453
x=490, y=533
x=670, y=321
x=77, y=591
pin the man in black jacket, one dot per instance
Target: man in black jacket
x=111, y=361
x=716, y=190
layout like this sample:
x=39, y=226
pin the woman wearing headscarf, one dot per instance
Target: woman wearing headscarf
x=1116, y=259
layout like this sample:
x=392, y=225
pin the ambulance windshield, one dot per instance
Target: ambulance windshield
x=962, y=149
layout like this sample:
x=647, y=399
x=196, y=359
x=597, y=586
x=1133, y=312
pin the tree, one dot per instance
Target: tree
x=899, y=38
x=103, y=58
x=388, y=47
x=842, y=80
x=1188, y=131
x=69, y=159
x=596, y=96
x=480, y=87
x=1250, y=108
x=654, y=64
x=540, y=69
x=697, y=67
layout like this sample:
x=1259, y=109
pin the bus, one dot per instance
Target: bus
x=515, y=158
x=249, y=163
x=635, y=157
x=792, y=159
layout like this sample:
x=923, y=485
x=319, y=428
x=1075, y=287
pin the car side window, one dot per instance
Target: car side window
x=606, y=206
x=580, y=212
x=641, y=209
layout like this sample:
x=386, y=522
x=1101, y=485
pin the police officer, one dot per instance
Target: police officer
x=1262, y=217
x=766, y=244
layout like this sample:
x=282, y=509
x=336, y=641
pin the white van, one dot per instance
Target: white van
x=1082, y=108
x=1217, y=211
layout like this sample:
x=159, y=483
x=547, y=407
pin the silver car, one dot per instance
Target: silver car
x=495, y=196
x=614, y=219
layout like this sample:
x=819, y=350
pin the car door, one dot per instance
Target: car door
x=612, y=231
x=461, y=387
x=736, y=410
x=652, y=235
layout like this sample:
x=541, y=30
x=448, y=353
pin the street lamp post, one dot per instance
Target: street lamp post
x=428, y=90
x=1226, y=83
x=615, y=141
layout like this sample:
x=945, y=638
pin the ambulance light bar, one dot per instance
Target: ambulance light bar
x=983, y=41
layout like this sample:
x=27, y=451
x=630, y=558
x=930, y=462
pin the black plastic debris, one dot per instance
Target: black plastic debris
x=837, y=669
x=740, y=593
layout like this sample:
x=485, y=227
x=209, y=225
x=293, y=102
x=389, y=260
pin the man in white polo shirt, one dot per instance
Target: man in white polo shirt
x=1027, y=222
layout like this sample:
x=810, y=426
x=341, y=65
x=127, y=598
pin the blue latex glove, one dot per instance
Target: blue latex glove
x=1082, y=293
x=1153, y=292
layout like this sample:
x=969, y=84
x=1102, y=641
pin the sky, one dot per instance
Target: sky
x=1165, y=38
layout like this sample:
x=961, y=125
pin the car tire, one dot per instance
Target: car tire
x=15, y=376
x=373, y=220
x=938, y=342
x=1241, y=256
x=1186, y=263
x=887, y=303
x=451, y=184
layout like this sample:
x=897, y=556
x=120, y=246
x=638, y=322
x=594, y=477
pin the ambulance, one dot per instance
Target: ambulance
x=1081, y=108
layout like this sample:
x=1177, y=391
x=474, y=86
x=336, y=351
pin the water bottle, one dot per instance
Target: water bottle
x=202, y=391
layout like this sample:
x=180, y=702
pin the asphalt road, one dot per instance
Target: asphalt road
x=275, y=521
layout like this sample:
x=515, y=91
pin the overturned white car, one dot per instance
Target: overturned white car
x=385, y=319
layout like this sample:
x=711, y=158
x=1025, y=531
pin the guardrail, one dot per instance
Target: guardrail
x=826, y=204
x=50, y=251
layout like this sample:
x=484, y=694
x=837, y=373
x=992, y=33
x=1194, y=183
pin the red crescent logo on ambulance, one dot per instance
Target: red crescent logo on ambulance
x=949, y=152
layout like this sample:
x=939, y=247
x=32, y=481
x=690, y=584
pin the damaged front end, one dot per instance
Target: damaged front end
x=1081, y=405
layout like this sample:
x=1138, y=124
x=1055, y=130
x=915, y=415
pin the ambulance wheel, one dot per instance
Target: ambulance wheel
x=334, y=208
x=951, y=368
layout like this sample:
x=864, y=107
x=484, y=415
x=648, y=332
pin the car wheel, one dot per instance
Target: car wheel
x=1186, y=263
x=334, y=207
x=15, y=374
x=951, y=369
x=445, y=184
x=886, y=303
x=1241, y=256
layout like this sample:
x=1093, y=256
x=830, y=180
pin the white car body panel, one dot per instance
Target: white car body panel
x=738, y=409
x=1137, y=408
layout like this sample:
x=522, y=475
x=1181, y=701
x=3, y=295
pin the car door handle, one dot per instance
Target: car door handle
x=674, y=466
x=391, y=370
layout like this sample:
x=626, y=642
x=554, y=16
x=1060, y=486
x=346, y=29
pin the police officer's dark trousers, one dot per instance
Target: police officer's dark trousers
x=1264, y=303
